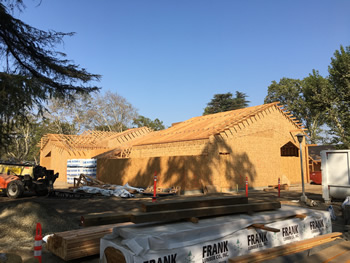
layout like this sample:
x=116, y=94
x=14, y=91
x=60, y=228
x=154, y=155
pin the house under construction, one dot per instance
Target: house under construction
x=222, y=150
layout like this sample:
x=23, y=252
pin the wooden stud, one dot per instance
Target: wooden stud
x=263, y=227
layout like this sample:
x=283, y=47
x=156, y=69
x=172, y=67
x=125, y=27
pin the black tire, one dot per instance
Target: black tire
x=40, y=188
x=41, y=192
x=15, y=189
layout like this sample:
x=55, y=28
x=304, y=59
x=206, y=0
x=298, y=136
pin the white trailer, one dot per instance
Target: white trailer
x=335, y=168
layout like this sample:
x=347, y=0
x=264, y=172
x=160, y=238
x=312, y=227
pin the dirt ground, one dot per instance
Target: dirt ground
x=18, y=217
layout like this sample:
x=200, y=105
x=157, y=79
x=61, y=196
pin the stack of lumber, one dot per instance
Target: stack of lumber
x=85, y=242
x=284, y=250
x=78, y=243
x=168, y=211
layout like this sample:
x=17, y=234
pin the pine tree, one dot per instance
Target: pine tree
x=32, y=71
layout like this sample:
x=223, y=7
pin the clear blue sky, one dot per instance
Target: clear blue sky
x=169, y=57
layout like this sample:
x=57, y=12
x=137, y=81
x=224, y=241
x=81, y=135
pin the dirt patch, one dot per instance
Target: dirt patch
x=18, y=225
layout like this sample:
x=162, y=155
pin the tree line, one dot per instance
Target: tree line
x=95, y=111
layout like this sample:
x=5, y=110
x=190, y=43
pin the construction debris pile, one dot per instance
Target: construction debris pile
x=91, y=185
x=124, y=191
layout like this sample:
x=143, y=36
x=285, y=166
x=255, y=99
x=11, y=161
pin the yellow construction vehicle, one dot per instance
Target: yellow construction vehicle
x=17, y=178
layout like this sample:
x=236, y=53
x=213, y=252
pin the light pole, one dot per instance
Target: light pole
x=300, y=137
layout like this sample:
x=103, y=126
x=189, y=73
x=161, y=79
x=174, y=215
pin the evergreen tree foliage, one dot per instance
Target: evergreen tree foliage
x=225, y=102
x=142, y=121
x=32, y=71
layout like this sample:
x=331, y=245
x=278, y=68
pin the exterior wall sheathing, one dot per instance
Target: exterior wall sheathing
x=249, y=149
x=55, y=158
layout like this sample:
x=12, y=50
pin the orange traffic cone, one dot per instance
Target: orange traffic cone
x=38, y=242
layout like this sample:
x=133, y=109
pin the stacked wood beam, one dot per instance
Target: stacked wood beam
x=86, y=242
x=174, y=211
x=78, y=243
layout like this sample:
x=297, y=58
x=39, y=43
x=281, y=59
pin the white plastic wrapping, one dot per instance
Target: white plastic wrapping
x=216, y=239
x=115, y=190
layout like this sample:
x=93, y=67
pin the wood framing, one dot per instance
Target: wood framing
x=220, y=149
x=56, y=149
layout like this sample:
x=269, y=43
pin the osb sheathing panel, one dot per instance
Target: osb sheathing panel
x=252, y=151
x=56, y=149
x=195, y=147
x=188, y=172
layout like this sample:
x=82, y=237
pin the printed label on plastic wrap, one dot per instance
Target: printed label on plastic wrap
x=81, y=163
x=78, y=171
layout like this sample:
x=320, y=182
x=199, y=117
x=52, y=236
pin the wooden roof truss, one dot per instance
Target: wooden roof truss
x=225, y=124
x=94, y=140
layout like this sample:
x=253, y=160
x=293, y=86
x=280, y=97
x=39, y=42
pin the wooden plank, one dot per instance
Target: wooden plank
x=287, y=249
x=300, y=216
x=79, y=243
x=174, y=215
x=104, y=219
x=262, y=226
x=85, y=231
x=193, y=203
x=93, y=179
